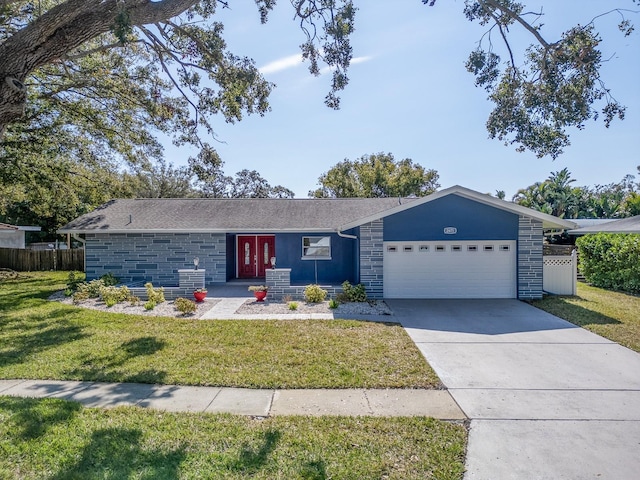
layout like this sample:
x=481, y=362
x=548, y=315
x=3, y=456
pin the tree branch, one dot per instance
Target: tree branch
x=517, y=18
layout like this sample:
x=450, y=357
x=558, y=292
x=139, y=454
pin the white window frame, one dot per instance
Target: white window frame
x=308, y=246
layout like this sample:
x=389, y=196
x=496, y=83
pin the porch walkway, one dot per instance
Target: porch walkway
x=233, y=294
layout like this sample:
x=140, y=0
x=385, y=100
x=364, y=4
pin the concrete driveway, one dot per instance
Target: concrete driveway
x=547, y=400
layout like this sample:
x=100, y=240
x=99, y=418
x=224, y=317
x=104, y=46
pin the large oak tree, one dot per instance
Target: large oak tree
x=87, y=54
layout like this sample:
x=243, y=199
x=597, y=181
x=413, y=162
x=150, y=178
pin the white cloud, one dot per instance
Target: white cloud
x=354, y=61
x=293, y=61
x=282, y=64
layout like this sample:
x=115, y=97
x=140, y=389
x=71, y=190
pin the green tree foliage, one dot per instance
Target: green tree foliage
x=376, y=175
x=211, y=181
x=116, y=68
x=557, y=85
x=611, y=260
x=163, y=180
x=556, y=196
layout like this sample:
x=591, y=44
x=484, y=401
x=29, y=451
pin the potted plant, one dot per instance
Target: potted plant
x=200, y=294
x=259, y=291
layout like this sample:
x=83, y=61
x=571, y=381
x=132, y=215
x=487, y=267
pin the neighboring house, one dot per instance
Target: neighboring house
x=13, y=236
x=624, y=225
x=455, y=243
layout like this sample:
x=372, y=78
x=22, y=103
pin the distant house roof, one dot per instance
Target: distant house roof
x=25, y=228
x=265, y=214
x=624, y=225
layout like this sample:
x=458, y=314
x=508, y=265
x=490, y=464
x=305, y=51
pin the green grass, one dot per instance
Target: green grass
x=613, y=315
x=56, y=439
x=40, y=339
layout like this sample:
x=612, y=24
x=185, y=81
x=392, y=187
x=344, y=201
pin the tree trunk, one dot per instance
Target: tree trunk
x=61, y=30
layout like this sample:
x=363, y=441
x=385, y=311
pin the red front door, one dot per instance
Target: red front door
x=254, y=255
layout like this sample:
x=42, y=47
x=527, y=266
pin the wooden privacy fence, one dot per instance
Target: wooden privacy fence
x=23, y=260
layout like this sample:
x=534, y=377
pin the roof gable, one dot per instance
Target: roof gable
x=548, y=221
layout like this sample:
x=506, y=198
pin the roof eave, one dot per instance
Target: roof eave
x=74, y=231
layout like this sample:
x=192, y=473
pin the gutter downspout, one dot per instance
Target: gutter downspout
x=353, y=237
x=346, y=235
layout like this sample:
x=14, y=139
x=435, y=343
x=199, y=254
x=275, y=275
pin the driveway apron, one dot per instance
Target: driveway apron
x=546, y=399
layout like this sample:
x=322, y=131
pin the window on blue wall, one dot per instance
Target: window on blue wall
x=316, y=248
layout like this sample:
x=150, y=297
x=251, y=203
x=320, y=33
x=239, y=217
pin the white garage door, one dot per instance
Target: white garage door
x=477, y=269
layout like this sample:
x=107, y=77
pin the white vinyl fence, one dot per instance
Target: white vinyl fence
x=559, y=274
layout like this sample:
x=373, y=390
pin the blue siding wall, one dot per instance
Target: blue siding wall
x=473, y=221
x=341, y=267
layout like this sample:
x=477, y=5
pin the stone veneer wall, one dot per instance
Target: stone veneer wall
x=279, y=282
x=188, y=281
x=371, y=251
x=530, y=261
x=155, y=257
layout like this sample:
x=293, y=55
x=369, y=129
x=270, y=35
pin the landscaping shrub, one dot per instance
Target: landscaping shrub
x=111, y=295
x=293, y=305
x=333, y=304
x=314, y=294
x=155, y=295
x=150, y=305
x=73, y=280
x=85, y=290
x=184, y=305
x=354, y=293
x=611, y=261
x=109, y=279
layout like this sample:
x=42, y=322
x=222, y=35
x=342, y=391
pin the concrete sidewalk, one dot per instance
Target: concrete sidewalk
x=348, y=402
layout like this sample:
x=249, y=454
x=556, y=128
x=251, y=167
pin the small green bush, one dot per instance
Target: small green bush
x=85, y=290
x=150, y=305
x=111, y=295
x=333, y=304
x=155, y=295
x=109, y=279
x=110, y=302
x=354, y=293
x=293, y=305
x=184, y=305
x=73, y=280
x=611, y=261
x=314, y=294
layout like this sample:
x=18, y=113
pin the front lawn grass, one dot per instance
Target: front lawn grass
x=613, y=315
x=56, y=439
x=40, y=339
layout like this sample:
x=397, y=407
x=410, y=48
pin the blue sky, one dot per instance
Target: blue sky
x=410, y=95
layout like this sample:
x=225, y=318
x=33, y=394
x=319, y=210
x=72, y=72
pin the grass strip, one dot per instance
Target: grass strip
x=613, y=315
x=57, y=439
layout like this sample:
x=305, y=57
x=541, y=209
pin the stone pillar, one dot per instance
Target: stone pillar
x=278, y=280
x=371, y=251
x=530, y=261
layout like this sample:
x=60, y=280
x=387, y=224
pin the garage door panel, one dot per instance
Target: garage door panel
x=450, y=269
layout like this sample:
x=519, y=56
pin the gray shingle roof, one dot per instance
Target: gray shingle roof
x=625, y=225
x=227, y=215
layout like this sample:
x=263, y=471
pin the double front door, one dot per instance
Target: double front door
x=254, y=255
